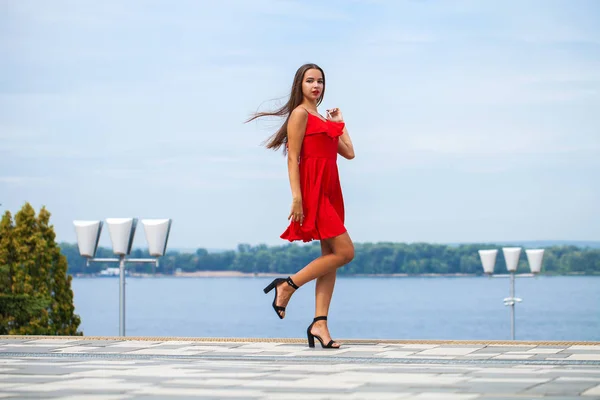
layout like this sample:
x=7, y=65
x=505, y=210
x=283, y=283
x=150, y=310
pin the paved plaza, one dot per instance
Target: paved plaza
x=114, y=368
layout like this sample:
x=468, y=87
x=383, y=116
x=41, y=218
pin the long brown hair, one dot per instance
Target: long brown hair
x=279, y=138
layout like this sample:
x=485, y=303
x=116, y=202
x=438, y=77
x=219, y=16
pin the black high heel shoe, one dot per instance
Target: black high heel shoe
x=311, y=337
x=273, y=285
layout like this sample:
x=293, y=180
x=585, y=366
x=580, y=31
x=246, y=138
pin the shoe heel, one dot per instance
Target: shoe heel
x=311, y=341
x=270, y=287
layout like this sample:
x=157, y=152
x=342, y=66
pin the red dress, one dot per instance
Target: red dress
x=322, y=200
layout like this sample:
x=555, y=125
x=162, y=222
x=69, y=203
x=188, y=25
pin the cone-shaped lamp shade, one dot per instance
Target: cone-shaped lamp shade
x=88, y=235
x=121, y=232
x=488, y=260
x=511, y=256
x=535, y=259
x=157, y=235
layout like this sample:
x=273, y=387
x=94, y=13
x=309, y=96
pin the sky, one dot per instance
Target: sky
x=472, y=121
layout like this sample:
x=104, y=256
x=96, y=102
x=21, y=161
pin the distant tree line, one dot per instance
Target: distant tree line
x=371, y=258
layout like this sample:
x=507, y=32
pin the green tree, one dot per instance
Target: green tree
x=36, y=296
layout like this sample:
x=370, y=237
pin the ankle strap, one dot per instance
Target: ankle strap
x=291, y=283
x=323, y=318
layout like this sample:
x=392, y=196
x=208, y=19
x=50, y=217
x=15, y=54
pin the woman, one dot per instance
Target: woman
x=317, y=213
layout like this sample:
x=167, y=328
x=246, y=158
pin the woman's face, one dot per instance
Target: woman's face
x=312, y=84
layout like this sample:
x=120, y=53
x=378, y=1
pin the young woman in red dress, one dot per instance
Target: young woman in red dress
x=317, y=213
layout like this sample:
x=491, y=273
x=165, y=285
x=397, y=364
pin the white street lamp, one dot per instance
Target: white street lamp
x=88, y=235
x=511, y=257
x=488, y=260
x=535, y=259
x=157, y=235
x=122, y=232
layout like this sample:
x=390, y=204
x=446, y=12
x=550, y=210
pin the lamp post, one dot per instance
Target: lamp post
x=511, y=257
x=122, y=231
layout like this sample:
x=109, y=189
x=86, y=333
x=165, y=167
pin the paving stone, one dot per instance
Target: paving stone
x=593, y=391
x=39, y=370
x=163, y=369
x=406, y=388
x=73, y=395
x=527, y=397
x=560, y=388
x=26, y=349
x=270, y=353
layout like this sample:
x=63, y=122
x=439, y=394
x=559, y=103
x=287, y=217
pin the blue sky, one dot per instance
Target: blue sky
x=472, y=120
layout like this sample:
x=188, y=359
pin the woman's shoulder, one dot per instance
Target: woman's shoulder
x=299, y=112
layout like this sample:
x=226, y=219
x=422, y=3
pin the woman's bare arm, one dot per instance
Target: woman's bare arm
x=345, y=147
x=295, y=130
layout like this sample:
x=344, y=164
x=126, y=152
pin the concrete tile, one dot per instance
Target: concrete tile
x=176, y=343
x=304, y=396
x=560, y=388
x=509, y=380
x=577, y=379
x=584, y=357
x=95, y=397
x=481, y=355
x=162, y=392
x=304, y=384
x=57, y=342
x=166, y=352
x=74, y=349
x=97, y=343
x=558, y=356
x=444, y=396
x=11, y=386
x=398, y=378
x=135, y=343
x=417, y=346
x=38, y=370
x=448, y=351
x=217, y=382
x=318, y=368
x=113, y=350
x=513, y=356
x=158, y=372
x=318, y=352
x=376, y=396
x=104, y=363
x=259, y=345
x=20, y=346
x=30, y=379
x=205, y=348
x=528, y=397
x=394, y=354
x=420, y=357
x=507, y=370
x=89, y=384
x=223, y=375
x=545, y=350
x=594, y=347
x=593, y=391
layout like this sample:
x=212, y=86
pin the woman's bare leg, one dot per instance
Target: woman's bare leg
x=323, y=293
x=342, y=252
x=324, y=286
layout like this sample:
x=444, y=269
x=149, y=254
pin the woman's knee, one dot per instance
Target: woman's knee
x=343, y=248
x=346, y=254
